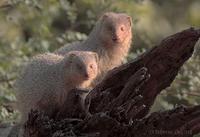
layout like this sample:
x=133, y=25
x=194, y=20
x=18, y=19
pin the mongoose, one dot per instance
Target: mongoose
x=47, y=79
x=110, y=39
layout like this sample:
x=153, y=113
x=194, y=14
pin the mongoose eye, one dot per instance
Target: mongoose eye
x=122, y=28
x=79, y=67
x=91, y=66
x=109, y=27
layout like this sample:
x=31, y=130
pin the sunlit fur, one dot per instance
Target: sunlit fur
x=46, y=80
x=111, y=53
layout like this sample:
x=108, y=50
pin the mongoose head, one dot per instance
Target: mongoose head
x=83, y=66
x=115, y=28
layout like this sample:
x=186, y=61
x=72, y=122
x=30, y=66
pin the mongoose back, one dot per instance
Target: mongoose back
x=110, y=39
x=48, y=78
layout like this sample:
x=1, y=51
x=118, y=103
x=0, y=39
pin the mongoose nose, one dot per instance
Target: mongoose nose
x=86, y=76
x=115, y=38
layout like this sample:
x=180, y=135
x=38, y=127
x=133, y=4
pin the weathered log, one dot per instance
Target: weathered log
x=120, y=103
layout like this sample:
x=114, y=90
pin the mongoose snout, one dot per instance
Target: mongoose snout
x=116, y=35
x=91, y=71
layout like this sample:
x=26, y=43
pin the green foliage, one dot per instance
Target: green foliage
x=30, y=27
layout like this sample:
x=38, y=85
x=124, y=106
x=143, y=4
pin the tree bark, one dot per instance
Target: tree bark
x=119, y=106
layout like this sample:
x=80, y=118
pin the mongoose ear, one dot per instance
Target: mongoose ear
x=104, y=16
x=129, y=20
x=71, y=55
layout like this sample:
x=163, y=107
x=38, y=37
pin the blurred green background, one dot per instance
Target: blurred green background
x=29, y=27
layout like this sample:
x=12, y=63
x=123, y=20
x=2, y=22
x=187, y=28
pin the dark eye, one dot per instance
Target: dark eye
x=91, y=66
x=109, y=28
x=122, y=28
x=79, y=67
